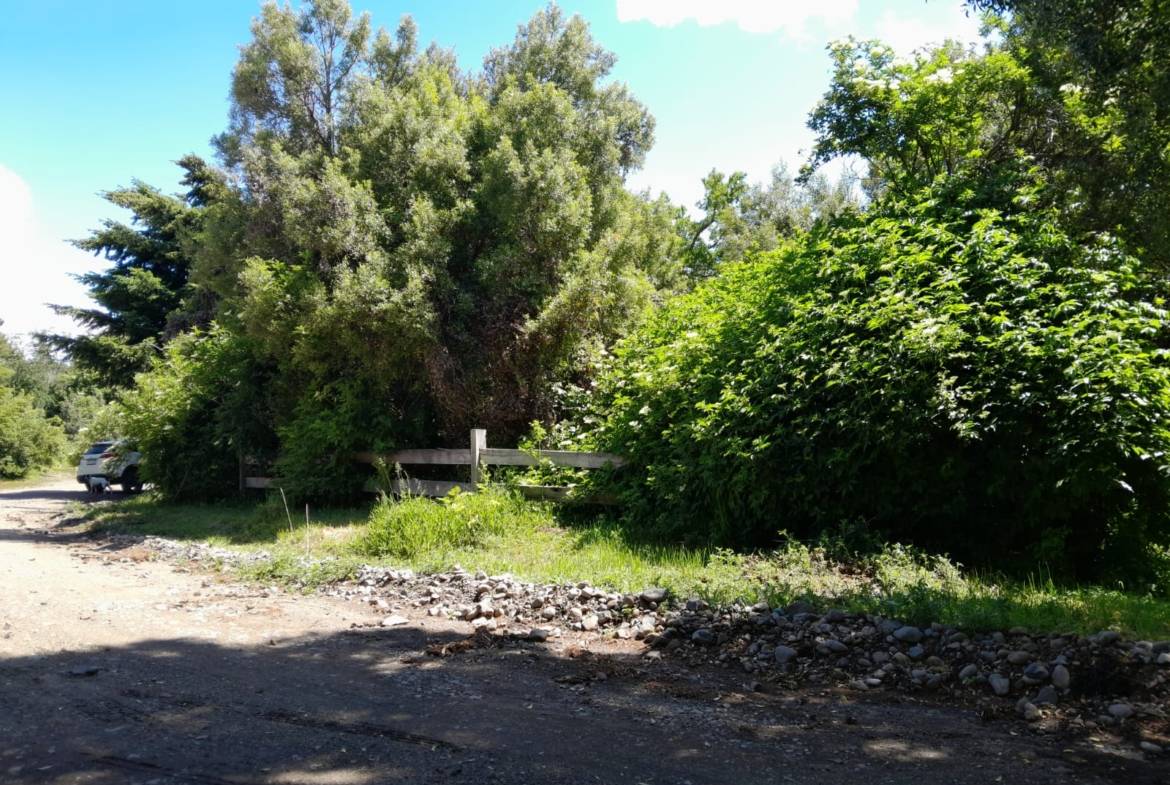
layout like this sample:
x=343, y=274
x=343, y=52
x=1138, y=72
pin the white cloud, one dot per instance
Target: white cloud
x=34, y=265
x=790, y=17
x=907, y=34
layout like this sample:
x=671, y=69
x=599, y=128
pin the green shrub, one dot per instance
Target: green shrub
x=969, y=381
x=193, y=415
x=28, y=439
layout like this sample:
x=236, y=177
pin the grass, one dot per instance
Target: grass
x=496, y=532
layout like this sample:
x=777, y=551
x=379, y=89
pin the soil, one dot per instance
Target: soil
x=118, y=667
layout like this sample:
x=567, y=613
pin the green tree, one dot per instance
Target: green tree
x=138, y=299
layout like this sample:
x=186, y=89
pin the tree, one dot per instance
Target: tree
x=29, y=439
x=405, y=250
x=1105, y=67
x=141, y=295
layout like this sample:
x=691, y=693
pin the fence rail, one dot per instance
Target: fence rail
x=475, y=457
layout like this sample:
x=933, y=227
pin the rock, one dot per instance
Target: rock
x=703, y=636
x=915, y=652
x=800, y=606
x=84, y=670
x=1150, y=747
x=1164, y=658
x=836, y=616
x=1036, y=672
x=395, y=621
x=576, y=614
x=484, y=623
x=539, y=634
x=590, y=622
x=1121, y=711
x=1029, y=712
x=969, y=671
x=654, y=594
x=1000, y=684
x=835, y=646
x=1047, y=696
x=908, y=634
x=1018, y=657
x=783, y=654
x=1061, y=678
x=1106, y=637
x=879, y=657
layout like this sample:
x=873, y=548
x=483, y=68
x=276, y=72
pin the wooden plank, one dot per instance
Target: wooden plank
x=499, y=456
x=432, y=488
x=459, y=456
x=563, y=494
x=257, y=482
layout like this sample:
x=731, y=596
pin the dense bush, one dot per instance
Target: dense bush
x=195, y=414
x=960, y=378
x=28, y=439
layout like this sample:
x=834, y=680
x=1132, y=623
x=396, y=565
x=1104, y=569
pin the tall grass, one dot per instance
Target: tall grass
x=498, y=532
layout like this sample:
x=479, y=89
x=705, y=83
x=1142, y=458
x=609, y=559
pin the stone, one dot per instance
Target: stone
x=1018, y=657
x=784, y=654
x=484, y=623
x=1121, y=711
x=84, y=670
x=908, y=634
x=915, y=652
x=1150, y=747
x=1061, y=678
x=703, y=636
x=548, y=612
x=836, y=616
x=879, y=657
x=1106, y=637
x=1001, y=685
x=590, y=622
x=654, y=594
x=800, y=606
x=395, y=621
x=1030, y=712
x=1036, y=672
x=835, y=646
x=1047, y=696
x=969, y=671
x=539, y=634
x=1164, y=658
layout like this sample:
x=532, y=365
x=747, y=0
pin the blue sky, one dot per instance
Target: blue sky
x=100, y=92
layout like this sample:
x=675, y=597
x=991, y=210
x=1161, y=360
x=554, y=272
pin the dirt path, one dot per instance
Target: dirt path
x=118, y=669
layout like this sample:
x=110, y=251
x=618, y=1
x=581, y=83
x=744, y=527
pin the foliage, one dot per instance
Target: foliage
x=138, y=299
x=933, y=370
x=398, y=249
x=193, y=413
x=1105, y=71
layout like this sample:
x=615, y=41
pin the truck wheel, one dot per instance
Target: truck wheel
x=130, y=481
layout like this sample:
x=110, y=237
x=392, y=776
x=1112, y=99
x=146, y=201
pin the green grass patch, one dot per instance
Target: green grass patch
x=498, y=532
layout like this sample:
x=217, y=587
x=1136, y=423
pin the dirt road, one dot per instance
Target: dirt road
x=115, y=668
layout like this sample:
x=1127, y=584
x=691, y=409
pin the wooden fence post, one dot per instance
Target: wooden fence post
x=478, y=443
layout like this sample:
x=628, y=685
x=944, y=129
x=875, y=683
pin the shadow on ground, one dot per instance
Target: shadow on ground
x=373, y=706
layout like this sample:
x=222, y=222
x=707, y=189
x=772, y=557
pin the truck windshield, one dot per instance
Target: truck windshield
x=99, y=448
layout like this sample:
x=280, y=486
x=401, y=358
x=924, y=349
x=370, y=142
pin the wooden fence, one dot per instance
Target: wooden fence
x=475, y=457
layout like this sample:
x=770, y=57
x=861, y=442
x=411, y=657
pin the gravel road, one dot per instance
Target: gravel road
x=116, y=667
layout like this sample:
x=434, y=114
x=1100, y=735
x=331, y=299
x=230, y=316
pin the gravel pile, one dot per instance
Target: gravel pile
x=1071, y=682
x=1099, y=681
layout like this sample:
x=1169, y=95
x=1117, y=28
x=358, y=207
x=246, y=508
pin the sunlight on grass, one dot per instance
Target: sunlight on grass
x=497, y=532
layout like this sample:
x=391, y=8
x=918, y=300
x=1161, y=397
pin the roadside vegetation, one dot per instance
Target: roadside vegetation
x=961, y=349
x=497, y=532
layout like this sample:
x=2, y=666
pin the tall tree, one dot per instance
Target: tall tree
x=143, y=289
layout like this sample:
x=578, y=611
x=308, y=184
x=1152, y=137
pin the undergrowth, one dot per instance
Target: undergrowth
x=498, y=532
